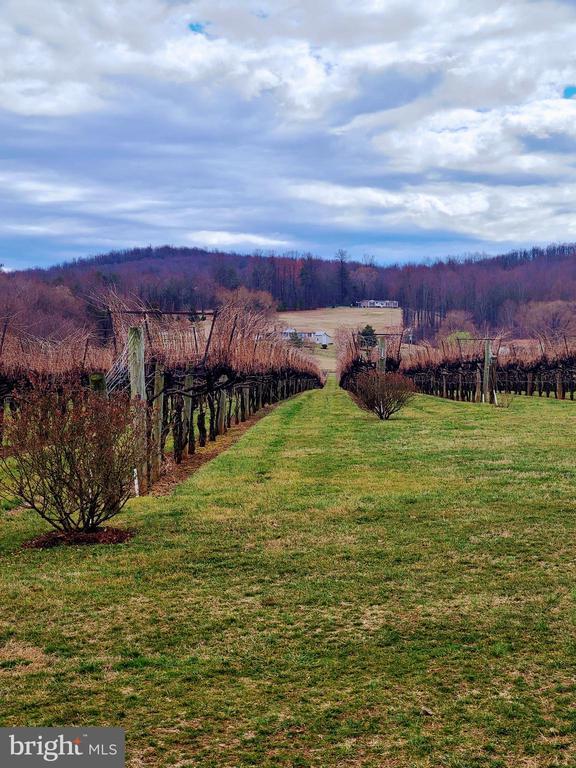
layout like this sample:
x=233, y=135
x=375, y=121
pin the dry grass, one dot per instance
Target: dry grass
x=341, y=317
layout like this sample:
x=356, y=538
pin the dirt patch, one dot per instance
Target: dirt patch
x=19, y=658
x=73, y=538
x=174, y=474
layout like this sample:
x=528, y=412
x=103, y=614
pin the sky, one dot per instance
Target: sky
x=402, y=130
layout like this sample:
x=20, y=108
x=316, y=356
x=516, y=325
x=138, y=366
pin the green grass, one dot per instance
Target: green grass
x=332, y=591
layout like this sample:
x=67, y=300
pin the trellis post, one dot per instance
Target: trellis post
x=486, y=372
x=136, y=363
x=137, y=389
x=382, y=354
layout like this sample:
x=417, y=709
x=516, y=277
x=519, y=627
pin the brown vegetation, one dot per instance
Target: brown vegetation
x=72, y=454
x=382, y=393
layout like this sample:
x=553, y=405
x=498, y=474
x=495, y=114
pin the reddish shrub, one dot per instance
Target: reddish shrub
x=382, y=393
x=72, y=455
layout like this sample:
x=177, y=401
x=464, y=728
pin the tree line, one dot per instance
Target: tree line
x=517, y=290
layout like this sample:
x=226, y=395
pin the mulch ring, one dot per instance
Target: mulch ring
x=73, y=538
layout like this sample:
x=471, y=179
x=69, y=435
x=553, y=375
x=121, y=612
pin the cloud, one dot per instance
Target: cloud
x=485, y=141
x=286, y=123
x=503, y=214
x=215, y=239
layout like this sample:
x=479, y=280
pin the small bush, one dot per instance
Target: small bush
x=382, y=393
x=504, y=399
x=72, y=455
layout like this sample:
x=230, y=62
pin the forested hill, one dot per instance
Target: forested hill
x=497, y=291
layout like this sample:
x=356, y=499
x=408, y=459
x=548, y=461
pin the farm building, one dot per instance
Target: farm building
x=378, y=303
x=316, y=337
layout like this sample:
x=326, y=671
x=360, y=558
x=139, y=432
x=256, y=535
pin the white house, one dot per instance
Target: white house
x=378, y=303
x=316, y=337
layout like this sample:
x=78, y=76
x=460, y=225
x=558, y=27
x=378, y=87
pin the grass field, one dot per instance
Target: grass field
x=332, y=591
x=326, y=358
x=347, y=317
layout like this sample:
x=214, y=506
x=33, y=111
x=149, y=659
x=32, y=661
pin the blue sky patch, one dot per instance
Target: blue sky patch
x=197, y=27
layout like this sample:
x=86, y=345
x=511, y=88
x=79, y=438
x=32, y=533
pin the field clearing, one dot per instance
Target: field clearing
x=347, y=317
x=326, y=358
x=331, y=591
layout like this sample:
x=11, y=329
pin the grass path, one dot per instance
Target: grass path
x=332, y=591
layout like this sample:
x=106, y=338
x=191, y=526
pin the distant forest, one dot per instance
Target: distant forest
x=525, y=291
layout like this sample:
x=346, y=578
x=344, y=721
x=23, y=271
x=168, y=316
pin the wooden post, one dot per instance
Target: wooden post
x=486, y=372
x=559, y=385
x=478, y=392
x=138, y=390
x=157, y=420
x=381, y=364
x=136, y=363
x=493, y=380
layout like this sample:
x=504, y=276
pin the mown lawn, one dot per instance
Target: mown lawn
x=332, y=591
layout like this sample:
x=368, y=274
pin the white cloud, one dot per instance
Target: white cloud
x=288, y=116
x=484, y=141
x=64, y=58
x=504, y=214
x=219, y=239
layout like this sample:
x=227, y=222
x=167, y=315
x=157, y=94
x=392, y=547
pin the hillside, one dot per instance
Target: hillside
x=523, y=291
x=359, y=593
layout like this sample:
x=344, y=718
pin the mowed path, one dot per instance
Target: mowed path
x=332, y=591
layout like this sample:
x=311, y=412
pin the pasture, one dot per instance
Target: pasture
x=330, y=320
x=331, y=591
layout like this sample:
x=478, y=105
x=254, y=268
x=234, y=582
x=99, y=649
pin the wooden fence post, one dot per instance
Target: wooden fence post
x=138, y=388
x=136, y=363
x=486, y=371
x=559, y=385
x=382, y=354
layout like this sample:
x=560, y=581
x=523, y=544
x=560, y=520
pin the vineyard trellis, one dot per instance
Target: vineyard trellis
x=480, y=369
x=197, y=376
x=474, y=370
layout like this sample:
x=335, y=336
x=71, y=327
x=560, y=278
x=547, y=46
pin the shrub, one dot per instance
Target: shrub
x=72, y=454
x=382, y=393
x=504, y=399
